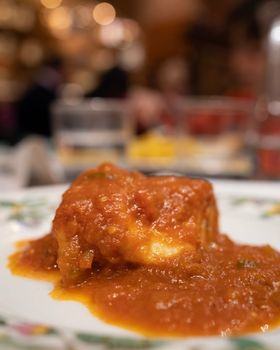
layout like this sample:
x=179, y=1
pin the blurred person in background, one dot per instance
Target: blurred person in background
x=34, y=106
x=7, y=124
x=113, y=83
x=153, y=107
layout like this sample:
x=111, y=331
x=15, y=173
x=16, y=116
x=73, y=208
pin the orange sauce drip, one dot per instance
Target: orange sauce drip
x=228, y=289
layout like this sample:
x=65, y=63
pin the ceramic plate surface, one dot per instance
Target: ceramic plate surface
x=31, y=319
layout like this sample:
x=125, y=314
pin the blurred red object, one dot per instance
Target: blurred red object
x=271, y=126
x=268, y=150
x=214, y=116
x=209, y=122
x=269, y=162
x=267, y=138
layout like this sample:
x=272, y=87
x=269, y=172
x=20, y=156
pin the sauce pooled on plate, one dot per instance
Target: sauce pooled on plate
x=145, y=253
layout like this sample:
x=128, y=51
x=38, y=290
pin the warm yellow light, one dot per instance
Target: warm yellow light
x=59, y=21
x=113, y=34
x=51, y=4
x=104, y=13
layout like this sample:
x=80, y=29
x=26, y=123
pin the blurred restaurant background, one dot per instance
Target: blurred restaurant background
x=191, y=87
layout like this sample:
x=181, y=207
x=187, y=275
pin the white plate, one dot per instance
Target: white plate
x=249, y=212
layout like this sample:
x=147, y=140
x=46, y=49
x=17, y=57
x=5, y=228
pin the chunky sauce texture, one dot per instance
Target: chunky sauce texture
x=183, y=279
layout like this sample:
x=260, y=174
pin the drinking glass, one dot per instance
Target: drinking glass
x=87, y=132
x=212, y=136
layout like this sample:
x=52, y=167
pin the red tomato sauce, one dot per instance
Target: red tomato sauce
x=216, y=288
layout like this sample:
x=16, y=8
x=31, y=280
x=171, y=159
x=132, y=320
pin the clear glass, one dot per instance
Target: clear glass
x=212, y=136
x=87, y=132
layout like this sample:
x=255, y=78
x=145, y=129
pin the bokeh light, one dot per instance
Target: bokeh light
x=121, y=31
x=112, y=35
x=275, y=33
x=133, y=56
x=16, y=16
x=82, y=16
x=60, y=21
x=104, y=13
x=51, y=4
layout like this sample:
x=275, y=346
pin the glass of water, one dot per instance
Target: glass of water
x=88, y=132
